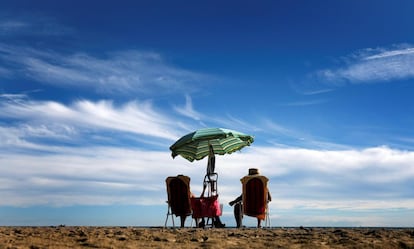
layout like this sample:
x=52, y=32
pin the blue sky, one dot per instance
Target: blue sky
x=92, y=94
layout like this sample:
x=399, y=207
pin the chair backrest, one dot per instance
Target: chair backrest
x=255, y=194
x=178, y=189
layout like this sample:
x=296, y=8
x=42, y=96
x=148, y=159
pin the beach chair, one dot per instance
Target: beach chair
x=255, y=197
x=178, y=190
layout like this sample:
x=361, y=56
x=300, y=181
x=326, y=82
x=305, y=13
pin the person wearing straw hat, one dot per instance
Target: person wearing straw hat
x=238, y=202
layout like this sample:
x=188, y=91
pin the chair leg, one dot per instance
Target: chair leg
x=166, y=220
x=172, y=218
x=169, y=213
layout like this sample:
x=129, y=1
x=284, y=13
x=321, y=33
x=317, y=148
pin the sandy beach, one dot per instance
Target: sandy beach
x=136, y=237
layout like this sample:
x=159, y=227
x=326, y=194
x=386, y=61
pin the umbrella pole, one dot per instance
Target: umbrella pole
x=211, y=160
x=211, y=181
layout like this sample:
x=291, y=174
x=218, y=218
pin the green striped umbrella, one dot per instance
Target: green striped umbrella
x=195, y=145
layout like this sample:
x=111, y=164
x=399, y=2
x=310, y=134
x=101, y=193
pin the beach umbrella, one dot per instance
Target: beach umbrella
x=208, y=142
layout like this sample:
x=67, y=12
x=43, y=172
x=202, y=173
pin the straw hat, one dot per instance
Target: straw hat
x=253, y=171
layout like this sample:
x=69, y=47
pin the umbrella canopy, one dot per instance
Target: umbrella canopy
x=196, y=145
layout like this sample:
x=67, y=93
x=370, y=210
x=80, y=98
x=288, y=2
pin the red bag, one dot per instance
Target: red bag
x=205, y=207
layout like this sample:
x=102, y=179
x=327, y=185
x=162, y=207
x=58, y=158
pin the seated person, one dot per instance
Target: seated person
x=238, y=208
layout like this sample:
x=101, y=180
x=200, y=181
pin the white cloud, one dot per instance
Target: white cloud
x=13, y=97
x=299, y=178
x=339, y=184
x=316, y=92
x=188, y=110
x=124, y=72
x=79, y=176
x=333, y=176
x=11, y=137
x=374, y=65
x=391, y=53
x=135, y=117
x=57, y=131
x=236, y=122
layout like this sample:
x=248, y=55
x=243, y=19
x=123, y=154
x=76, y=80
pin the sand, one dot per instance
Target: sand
x=136, y=237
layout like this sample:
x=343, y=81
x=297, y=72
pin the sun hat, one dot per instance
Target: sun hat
x=253, y=171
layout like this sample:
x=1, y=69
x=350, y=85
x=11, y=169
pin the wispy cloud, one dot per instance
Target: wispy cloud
x=373, y=65
x=124, y=72
x=13, y=96
x=306, y=102
x=316, y=92
x=188, y=110
x=209, y=119
x=134, y=117
x=32, y=25
x=61, y=179
x=8, y=26
x=57, y=122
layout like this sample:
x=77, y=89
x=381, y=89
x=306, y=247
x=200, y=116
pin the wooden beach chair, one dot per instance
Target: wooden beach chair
x=255, y=197
x=178, y=190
